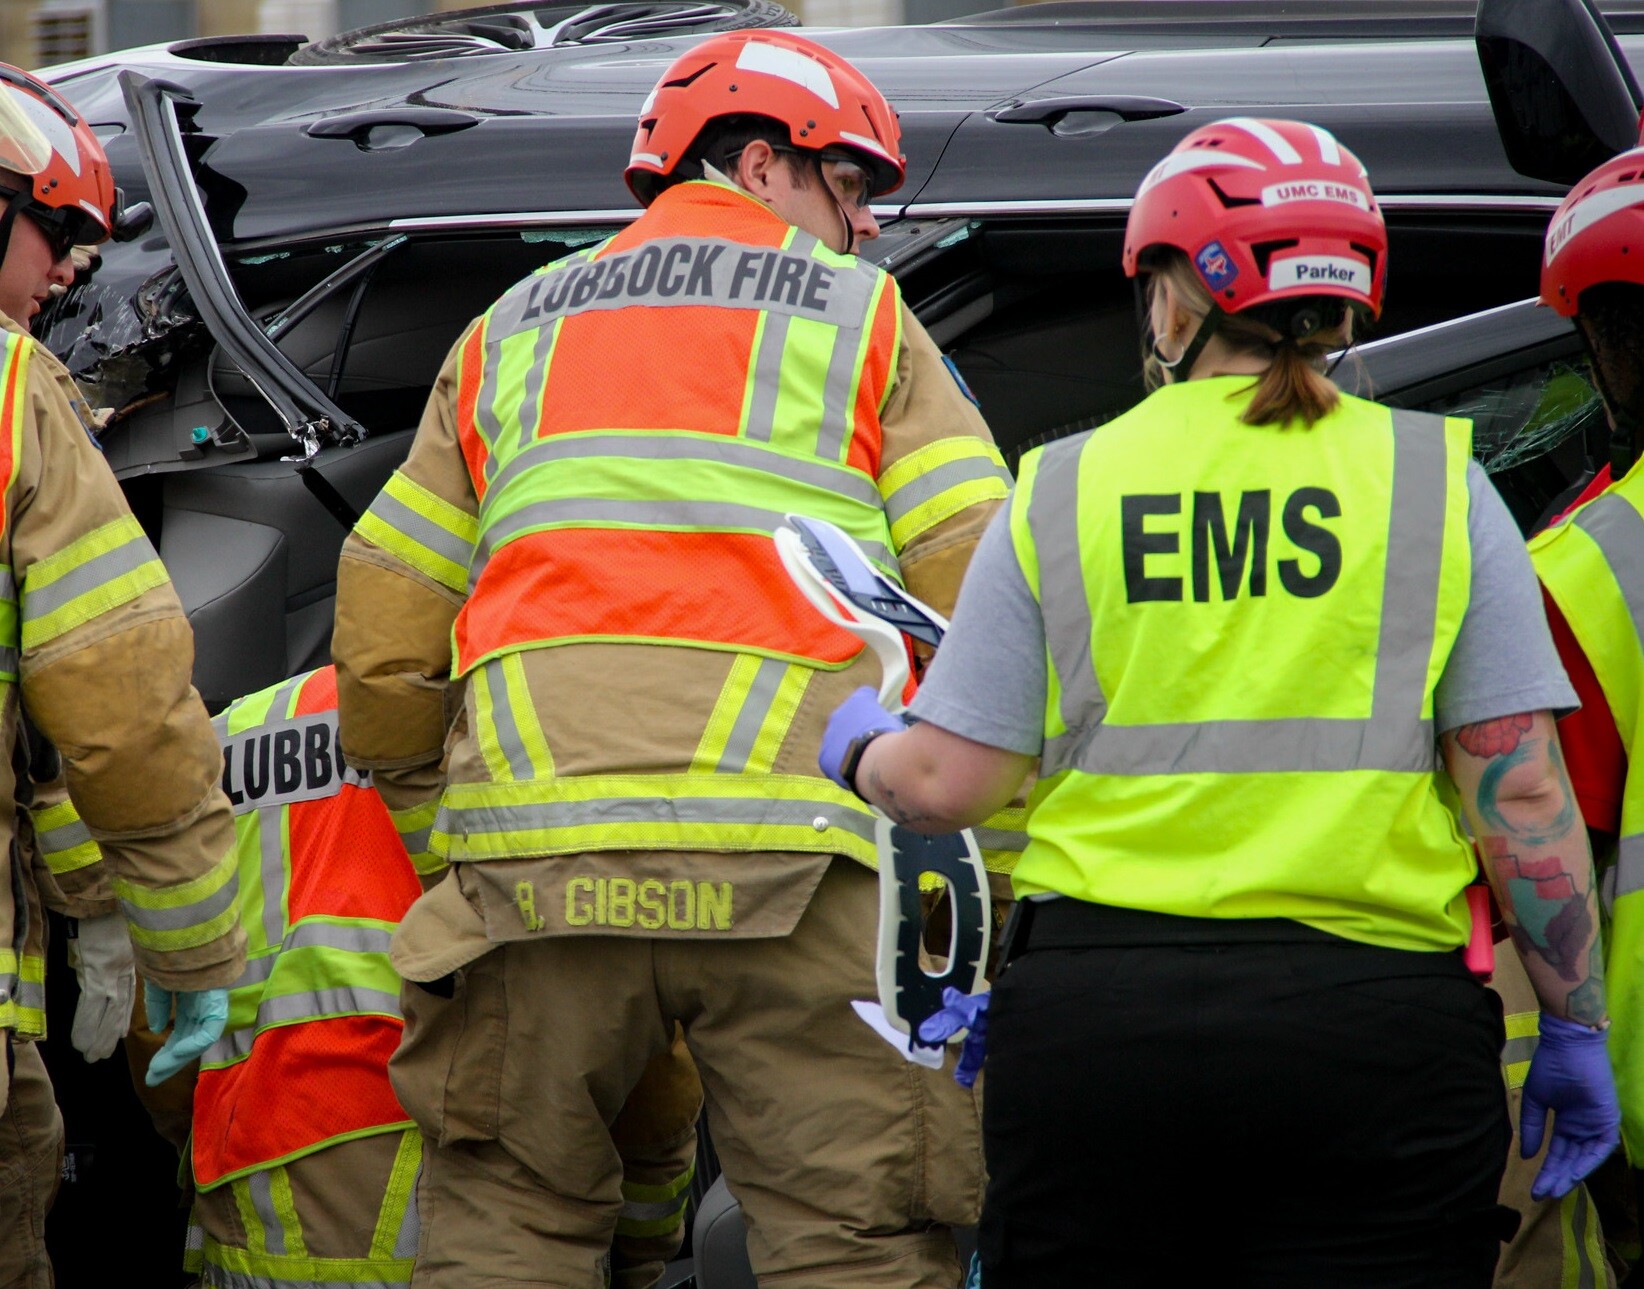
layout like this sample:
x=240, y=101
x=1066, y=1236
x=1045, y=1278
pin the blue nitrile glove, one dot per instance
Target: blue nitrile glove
x=197, y=1019
x=858, y=716
x=1569, y=1075
x=961, y=1011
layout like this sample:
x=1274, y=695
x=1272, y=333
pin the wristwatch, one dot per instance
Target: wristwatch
x=853, y=758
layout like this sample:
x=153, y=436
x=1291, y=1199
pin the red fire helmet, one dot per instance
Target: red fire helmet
x=1266, y=210
x=822, y=100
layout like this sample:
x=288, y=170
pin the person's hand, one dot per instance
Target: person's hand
x=106, y=967
x=1569, y=1075
x=961, y=1011
x=858, y=716
x=197, y=1019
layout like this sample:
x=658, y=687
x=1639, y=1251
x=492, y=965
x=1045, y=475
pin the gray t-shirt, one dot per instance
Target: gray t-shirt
x=987, y=682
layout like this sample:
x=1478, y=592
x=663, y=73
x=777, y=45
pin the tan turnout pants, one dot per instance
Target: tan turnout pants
x=850, y=1163
x=348, y=1211
x=31, y=1163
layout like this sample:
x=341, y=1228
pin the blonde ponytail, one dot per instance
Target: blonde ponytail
x=1294, y=386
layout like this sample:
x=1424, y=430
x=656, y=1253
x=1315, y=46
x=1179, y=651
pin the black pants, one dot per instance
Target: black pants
x=1307, y=1115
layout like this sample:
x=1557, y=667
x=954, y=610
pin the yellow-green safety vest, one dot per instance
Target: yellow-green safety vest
x=1245, y=627
x=1592, y=565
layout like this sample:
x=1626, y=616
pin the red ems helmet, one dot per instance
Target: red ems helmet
x=72, y=185
x=821, y=98
x=1597, y=234
x=1266, y=210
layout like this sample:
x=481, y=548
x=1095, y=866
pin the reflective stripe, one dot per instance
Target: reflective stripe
x=716, y=449
x=765, y=378
x=1069, y=631
x=97, y=572
x=510, y=738
x=1390, y=740
x=1523, y=1031
x=302, y=1275
x=838, y=389
x=649, y=1211
x=745, y=703
x=268, y=1213
x=397, y=1222
x=186, y=915
x=318, y=1004
x=606, y=512
x=23, y=994
x=646, y=811
x=1629, y=864
x=424, y=530
x=670, y=272
x=64, y=840
x=942, y=479
x=271, y=872
x=415, y=825
x=1581, y=1247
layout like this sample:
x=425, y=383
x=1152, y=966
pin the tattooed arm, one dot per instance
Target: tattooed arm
x=934, y=781
x=1533, y=849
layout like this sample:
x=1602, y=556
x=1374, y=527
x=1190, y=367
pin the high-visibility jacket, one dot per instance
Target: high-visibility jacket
x=1245, y=627
x=633, y=423
x=303, y=1061
x=94, y=638
x=1591, y=565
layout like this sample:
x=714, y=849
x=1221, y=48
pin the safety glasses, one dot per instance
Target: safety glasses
x=849, y=180
x=59, y=237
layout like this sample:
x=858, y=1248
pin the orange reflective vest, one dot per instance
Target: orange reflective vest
x=324, y=880
x=615, y=508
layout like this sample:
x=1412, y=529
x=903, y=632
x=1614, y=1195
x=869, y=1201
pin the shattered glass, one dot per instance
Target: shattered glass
x=1525, y=414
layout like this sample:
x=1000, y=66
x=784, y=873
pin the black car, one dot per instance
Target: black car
x=332, y=214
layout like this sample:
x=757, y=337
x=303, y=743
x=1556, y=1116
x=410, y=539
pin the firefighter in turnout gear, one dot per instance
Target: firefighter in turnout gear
x=628, y=799
x=1240, y=629
x=94, y=644
x=302, y=1161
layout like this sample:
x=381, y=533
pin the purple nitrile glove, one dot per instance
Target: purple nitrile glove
x=857, y=716
x=961, y=1011
x=1569, y=1075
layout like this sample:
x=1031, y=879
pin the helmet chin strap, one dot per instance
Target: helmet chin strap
x=1182, y=368
x=844, y=215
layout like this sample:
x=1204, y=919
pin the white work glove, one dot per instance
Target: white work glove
x=106, y=968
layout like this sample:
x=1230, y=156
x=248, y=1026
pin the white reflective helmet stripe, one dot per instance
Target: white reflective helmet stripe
x=1265, y=134
x=1588, y=211
x=1194, y=159
x=866, y=144
x=1329, y=149
x=790, y=65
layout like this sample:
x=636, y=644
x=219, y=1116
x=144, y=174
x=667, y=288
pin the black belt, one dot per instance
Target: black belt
x=1066, y=923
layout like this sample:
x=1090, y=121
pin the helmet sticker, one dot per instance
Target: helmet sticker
x=1314, y=190
x=1216, y=265
x=790, y=65
x=1588, y=211
x=1319, y=270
